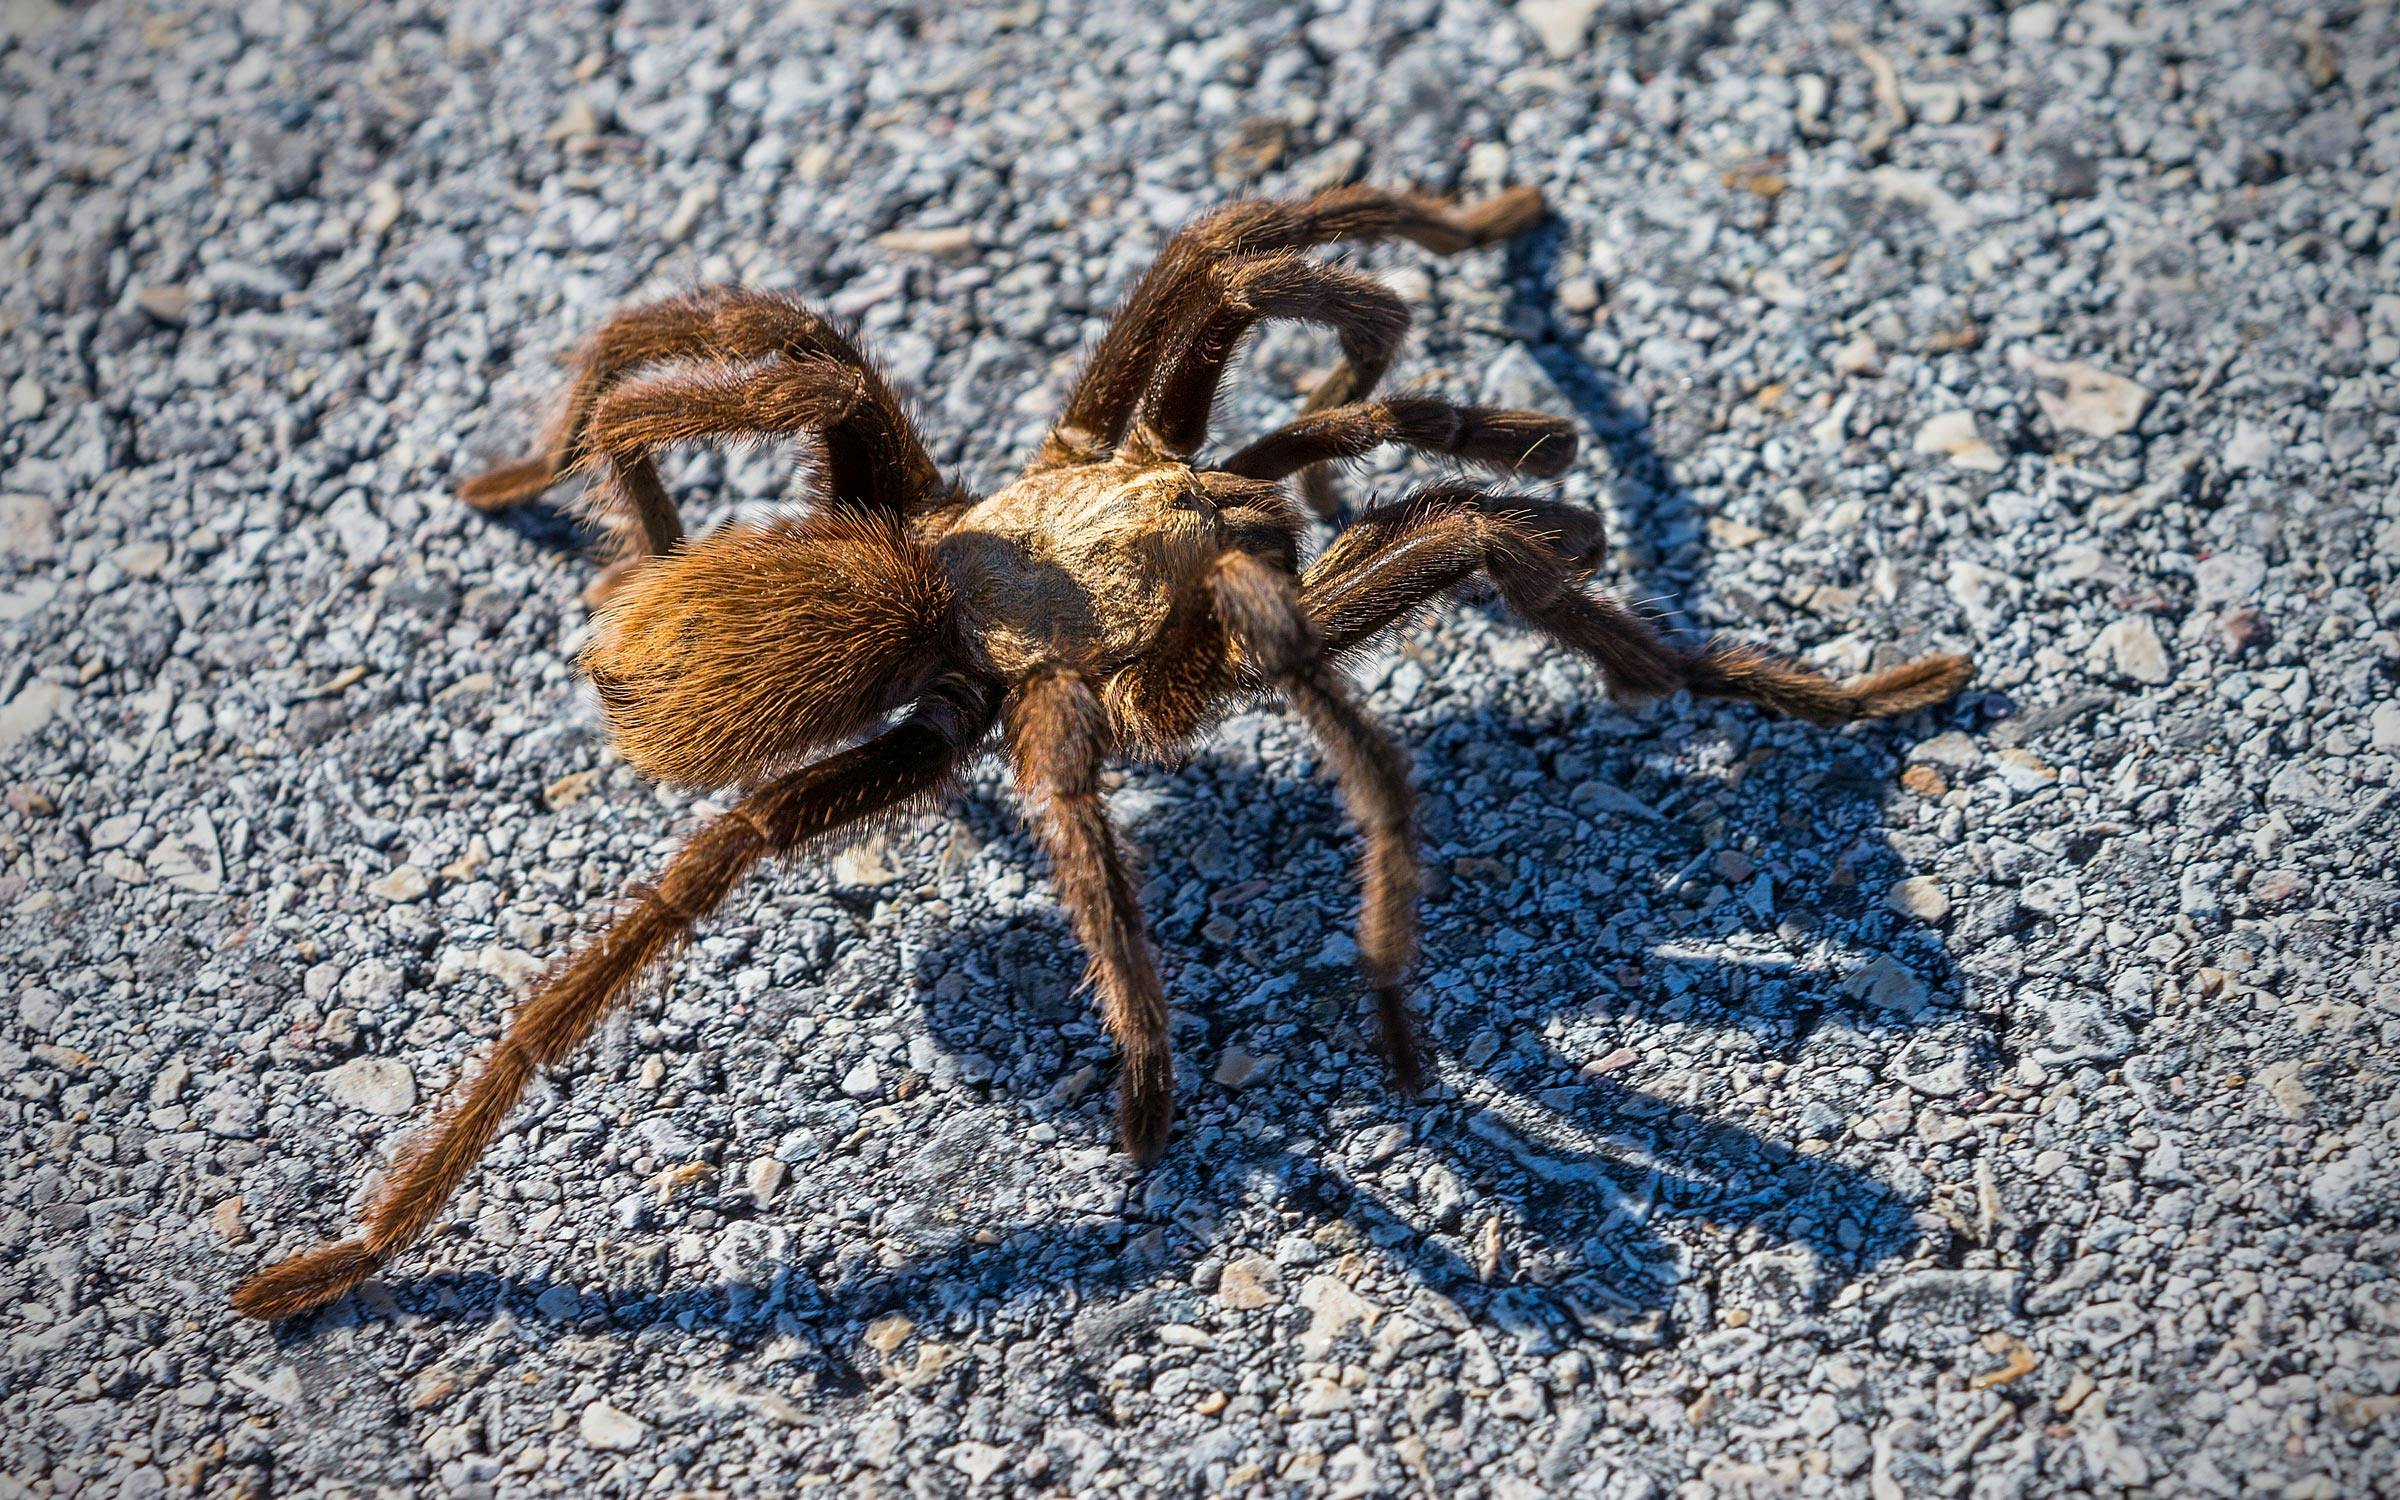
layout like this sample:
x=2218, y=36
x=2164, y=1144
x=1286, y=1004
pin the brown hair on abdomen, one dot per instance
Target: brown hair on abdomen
x=754, y=646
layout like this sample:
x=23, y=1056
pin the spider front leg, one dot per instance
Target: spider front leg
x=871, y=448
x=723, y=324
x=1512, y=441
x=1057, y=737
x=888, y=773
x=1118, y=373
x=630, y=424
x=1243, y=622
x=633, y=422
x=1399, y=557
x=1273, y=636
x=1368, y=317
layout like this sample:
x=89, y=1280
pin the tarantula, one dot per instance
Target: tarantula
x=842, y=667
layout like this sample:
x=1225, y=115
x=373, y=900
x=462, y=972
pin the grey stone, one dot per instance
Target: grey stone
x=606, y=1428
x=2228, y=577
x=378, y=1085
x=35, y=705
x=1562, y=26
x=2130, y=648
x=1954, y=435
x=27, y=526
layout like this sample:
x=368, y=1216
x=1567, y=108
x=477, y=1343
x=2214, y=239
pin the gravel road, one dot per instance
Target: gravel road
x=1998, y=1102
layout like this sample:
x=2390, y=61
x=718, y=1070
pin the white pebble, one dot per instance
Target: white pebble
x=378, y=1085
x=603, y=1426
x=2131, y=648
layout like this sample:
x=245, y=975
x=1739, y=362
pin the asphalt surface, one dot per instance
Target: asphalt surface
x=1999, y=1102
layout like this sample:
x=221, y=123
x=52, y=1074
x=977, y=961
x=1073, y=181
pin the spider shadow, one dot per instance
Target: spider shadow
x=1583, y=1165
x=1645, y=491
x=1592, y=1176
x=1596, y=1180
x=548, y=524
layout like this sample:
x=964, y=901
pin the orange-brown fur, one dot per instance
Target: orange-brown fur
x=758, y=645
x=1117, y=596
x=882, y=777
x=1058, y=735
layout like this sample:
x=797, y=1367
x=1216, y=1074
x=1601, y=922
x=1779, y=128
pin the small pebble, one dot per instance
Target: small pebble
x=1239, y=1067
x=1954, y=435
x=383, y=208
x=1920, y=897
x=26, y=399
x=1249, y=1282
x=404, y=883
x=378, y=1085
x=608, y=1429
x=168, y=304
x=2131, y=648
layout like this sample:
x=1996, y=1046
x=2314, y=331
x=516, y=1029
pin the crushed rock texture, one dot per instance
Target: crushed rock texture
x=1998, y=1102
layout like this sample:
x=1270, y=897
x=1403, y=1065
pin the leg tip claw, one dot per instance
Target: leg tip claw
x=307, y=1281
x=1403, y=1057
x=1923, y=683
x=1146, y=1110
x=1507, y=213
x=508, y=484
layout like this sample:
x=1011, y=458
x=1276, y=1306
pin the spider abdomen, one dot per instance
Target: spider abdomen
x=755, y=646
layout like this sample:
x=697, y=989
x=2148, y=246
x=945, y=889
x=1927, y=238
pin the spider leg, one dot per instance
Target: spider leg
x=1521, y=441
x=1369, y=318
x=1263, y=620
x=895, y=770
x=1118, y=373
x=1398, y=557
x=1057, y=735
x=873, y=452
x=726, y=402
x=1164, y=696
x=1161, y=699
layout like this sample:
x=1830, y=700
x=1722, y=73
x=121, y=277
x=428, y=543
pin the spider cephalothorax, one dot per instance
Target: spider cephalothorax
x=841, y=667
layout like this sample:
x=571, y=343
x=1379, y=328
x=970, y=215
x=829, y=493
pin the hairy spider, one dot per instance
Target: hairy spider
x=842, y=667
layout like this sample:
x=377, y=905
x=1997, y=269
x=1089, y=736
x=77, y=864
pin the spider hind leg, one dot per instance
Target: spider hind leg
x=1401, y=556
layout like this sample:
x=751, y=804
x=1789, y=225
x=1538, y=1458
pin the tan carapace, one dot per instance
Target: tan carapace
x=1079, y=565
